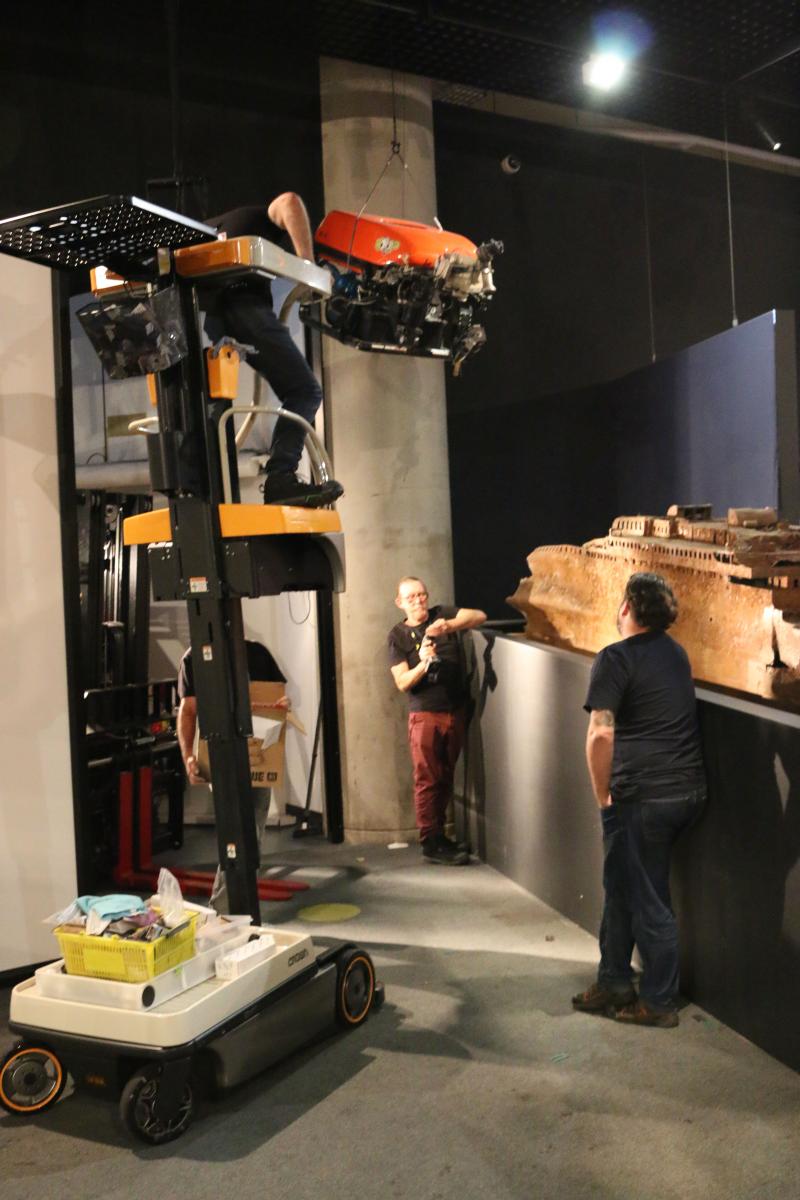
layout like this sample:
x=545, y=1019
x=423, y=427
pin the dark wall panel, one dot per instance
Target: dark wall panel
x=85, y=104
x=737, y=882
x=571, y=304
x=555, y=428
x=702, y=426
x=520, y=476
x=572, y=307
x=698, y=427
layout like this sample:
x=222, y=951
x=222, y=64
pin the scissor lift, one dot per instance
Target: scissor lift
x=209, y=550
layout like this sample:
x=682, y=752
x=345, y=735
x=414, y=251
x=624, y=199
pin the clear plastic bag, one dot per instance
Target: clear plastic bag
x=169, y=899
x=218, y=930
x=136, y=335
x=73, y=914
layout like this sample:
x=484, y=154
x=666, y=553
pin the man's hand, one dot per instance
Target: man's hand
x=427, y=650
x=190, y=762
x=439, y=628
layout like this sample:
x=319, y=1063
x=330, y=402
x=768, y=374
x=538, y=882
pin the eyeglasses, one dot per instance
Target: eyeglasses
x=414, y=596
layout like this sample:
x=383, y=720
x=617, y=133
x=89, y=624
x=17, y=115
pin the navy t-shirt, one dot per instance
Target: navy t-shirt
x=442, y=689
x=646, y=682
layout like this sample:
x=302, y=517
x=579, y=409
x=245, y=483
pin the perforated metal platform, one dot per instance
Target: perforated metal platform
x=122, y=232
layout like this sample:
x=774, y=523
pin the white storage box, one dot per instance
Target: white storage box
x=234, y=962
x=52, y=981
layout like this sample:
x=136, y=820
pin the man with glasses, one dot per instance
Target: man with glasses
x=425, y=661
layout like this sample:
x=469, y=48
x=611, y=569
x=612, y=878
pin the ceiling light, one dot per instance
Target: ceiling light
x=767, y=136
x=604, y=71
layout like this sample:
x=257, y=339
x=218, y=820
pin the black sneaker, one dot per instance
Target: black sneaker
x=433, y=851
x=454, y=847
x=285, y=488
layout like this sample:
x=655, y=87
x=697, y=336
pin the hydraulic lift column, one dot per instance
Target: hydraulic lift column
x=262, y=553
x=184, y=464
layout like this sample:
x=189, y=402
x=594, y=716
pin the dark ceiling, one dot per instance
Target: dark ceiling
x=707, y=61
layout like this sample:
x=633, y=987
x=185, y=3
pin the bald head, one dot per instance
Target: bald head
x=412, y=598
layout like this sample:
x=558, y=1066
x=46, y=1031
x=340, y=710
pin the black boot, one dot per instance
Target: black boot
x=282, y=487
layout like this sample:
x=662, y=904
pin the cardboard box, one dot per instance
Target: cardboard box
x=266, y=763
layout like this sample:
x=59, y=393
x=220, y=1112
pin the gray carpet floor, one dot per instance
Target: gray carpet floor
x=476, y=1079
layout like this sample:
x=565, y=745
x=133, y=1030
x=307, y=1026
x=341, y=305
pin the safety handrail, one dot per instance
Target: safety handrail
x=321, y=469
x=144, y=425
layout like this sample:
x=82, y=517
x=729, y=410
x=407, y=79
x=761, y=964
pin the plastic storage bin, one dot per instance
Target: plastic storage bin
x=122, y=959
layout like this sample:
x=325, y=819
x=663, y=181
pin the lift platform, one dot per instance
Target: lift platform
x=159, y=1045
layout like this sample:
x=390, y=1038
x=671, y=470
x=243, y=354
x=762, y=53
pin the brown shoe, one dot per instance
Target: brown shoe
x=598, y=998
x=642, y=1014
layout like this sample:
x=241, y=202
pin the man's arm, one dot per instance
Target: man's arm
x=186, y=725
x=407, y=677
x=599, y=753
x=288, y=212
x=465, y=618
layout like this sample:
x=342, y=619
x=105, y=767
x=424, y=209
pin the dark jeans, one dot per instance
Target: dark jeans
x=637, y=841
x=249, y=317
x=435, y=740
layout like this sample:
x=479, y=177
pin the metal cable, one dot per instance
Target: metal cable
x=734, y=316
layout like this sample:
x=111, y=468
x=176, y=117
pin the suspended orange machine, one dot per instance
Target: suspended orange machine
x=402, y=287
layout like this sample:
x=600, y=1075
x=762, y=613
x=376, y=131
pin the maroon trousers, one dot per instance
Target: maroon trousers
x=435, y=740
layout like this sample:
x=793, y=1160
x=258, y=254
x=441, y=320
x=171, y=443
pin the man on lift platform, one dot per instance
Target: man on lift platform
x=243, y=310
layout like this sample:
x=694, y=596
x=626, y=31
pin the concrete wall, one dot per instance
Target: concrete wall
x=386, y=427
x=36, y=807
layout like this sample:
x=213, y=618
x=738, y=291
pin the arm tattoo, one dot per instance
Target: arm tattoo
x=604, y=716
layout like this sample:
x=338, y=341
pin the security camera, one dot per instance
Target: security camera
x=510, y=165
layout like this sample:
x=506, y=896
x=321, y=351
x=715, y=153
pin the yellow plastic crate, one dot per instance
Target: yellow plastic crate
x=124, y=960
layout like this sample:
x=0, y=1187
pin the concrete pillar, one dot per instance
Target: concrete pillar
x=387, y=429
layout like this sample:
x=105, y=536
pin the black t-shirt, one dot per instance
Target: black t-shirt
x=442, y=689
x=261, y=667
x=251, y=220
x=646, y=682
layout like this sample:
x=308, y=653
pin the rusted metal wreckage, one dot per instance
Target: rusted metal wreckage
x=737, y=582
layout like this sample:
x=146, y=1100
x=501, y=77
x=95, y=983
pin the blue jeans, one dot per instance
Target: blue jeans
x=249, y=317
x=637, y=843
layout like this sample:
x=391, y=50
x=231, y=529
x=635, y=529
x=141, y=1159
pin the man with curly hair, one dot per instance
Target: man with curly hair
x=645, y=763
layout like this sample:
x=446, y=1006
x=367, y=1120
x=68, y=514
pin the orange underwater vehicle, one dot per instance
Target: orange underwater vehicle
x=737, y=582
x=401, y=287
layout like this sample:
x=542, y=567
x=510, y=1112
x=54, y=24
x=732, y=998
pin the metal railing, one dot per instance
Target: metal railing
x=321, y=469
